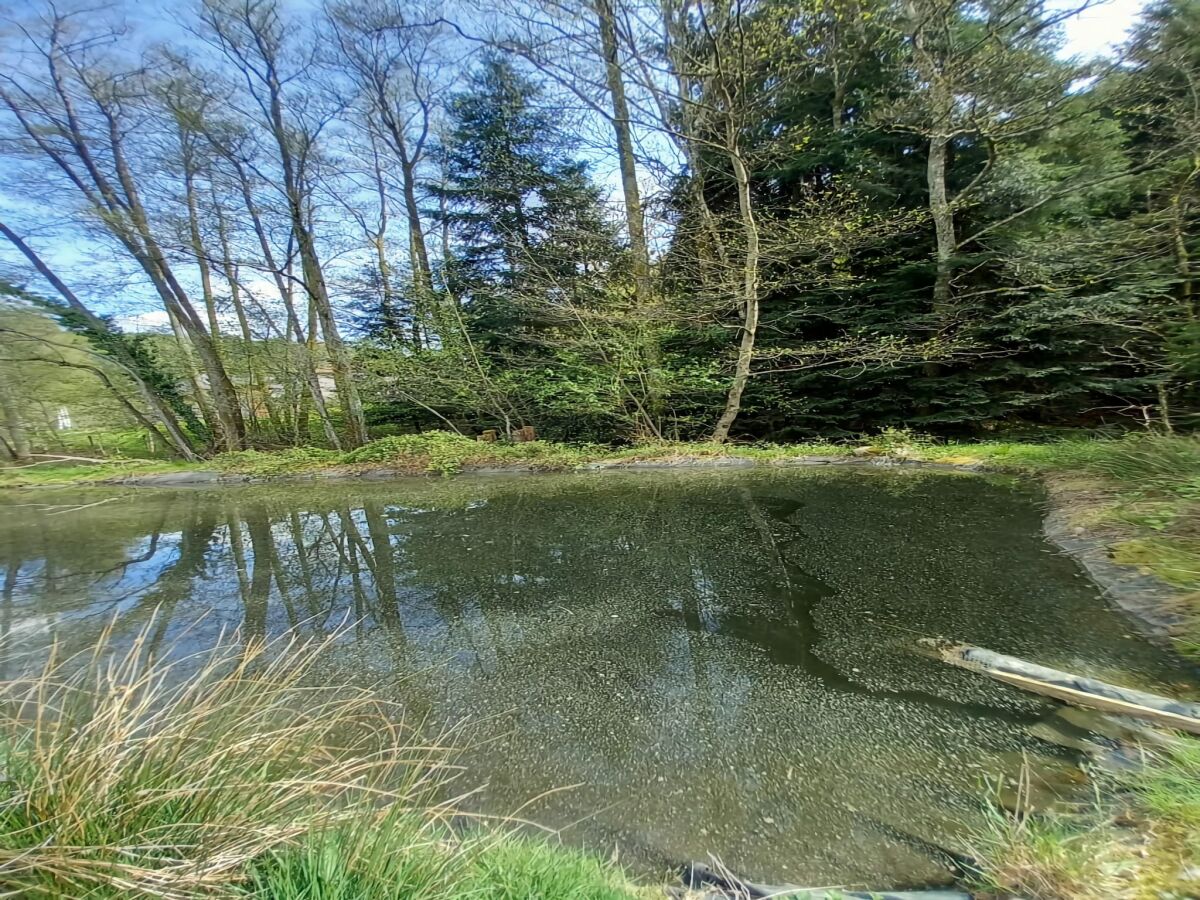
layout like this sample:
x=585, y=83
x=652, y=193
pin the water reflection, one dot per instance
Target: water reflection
x=722, y=662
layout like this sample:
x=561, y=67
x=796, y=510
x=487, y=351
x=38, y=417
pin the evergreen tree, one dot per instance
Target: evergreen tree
x=528, y=225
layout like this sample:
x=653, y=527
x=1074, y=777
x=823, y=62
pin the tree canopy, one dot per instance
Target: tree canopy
x=607, y=219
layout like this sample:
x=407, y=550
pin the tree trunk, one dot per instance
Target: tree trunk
x=418, y=251
x=198, y=251
x=311, y=380
x=634, y=221
x=314, y=276
x=18, y=443
x=1183, y=262
x=745, y=357
x=943, y=225
x=199, y=394
x=232, y=427
x=258, y=381
x=339, y=356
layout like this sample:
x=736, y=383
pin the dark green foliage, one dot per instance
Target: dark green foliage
x=528, y=227
x=1072, y=296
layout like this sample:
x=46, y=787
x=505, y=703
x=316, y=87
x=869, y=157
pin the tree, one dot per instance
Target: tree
x=258, y=42
x=73, y=107
x=527, y=221
x=397, y=80
x=981, y=77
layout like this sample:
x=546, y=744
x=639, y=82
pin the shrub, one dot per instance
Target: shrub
x=277, y=462
x=435, y=451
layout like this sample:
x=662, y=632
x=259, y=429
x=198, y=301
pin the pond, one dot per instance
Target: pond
x=669, y=664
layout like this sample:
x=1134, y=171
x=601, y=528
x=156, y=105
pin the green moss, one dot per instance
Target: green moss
x=1174, y=560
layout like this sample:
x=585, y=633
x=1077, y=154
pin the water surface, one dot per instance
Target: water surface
x=717, y=662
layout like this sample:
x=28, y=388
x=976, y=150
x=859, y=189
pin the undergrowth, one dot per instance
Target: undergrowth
x=1138, y=839
x=228, y=775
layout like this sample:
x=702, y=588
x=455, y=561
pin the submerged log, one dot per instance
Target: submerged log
x=1074, y=689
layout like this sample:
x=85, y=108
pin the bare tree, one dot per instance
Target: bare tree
x=388, y=50
x=76, y=108
x=256, y=40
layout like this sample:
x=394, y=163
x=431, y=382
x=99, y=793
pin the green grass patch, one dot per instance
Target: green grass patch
x=66, y=473
x=1168, y=789
x=1138, y=838
x=1051, y=857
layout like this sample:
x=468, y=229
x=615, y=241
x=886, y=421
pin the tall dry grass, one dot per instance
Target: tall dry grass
x=128, y=775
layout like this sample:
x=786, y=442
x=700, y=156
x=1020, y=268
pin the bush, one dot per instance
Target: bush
x=435, y=451
x=277, y=462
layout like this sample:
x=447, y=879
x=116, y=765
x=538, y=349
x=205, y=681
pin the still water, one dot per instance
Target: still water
x=712, y=662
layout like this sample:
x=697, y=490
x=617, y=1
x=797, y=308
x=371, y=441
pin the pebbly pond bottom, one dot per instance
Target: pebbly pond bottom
x=703, y=662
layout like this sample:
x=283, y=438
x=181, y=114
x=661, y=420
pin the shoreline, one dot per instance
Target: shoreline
x=201, y=477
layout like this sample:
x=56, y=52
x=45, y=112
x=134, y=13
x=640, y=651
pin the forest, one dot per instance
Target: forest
x=610, y=221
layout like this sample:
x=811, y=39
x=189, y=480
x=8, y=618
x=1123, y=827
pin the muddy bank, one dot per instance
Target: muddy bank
x=1150, y=602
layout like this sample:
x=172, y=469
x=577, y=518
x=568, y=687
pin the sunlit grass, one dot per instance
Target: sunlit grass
x=227, y=775
x=65, y=473
x=1168, y=788
x=1138, y=838
x=1051, y=858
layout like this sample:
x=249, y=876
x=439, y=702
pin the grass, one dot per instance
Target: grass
x=227, y=775
x=1138, y=839
x=1051, y=858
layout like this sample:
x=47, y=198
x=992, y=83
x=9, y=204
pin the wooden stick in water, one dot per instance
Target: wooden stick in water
x=1074, y=689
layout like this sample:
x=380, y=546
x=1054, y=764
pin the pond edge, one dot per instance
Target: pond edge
x=1150, y=602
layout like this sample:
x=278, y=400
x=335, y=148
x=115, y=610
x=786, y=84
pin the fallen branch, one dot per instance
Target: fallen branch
x=51, y=458
x=1074, y=689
